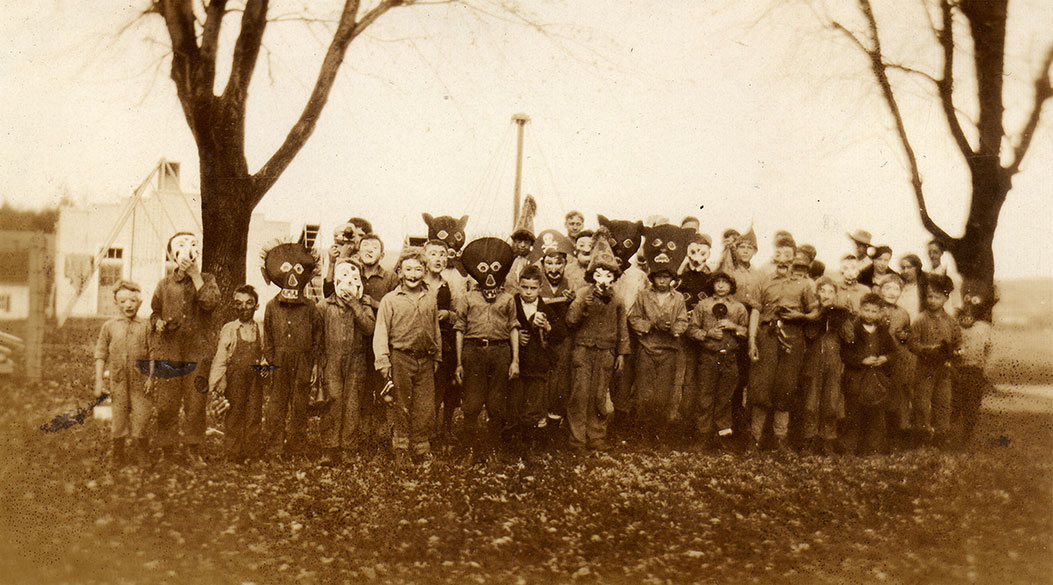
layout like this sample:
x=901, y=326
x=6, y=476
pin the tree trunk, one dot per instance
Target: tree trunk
x=227, y=200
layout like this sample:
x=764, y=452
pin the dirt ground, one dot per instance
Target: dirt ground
x=635, y=515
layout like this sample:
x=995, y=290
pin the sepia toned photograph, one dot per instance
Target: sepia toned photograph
x=526, y=292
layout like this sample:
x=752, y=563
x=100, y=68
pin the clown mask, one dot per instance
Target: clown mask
x=697, y=254
x=184, y=250
x=488, y=261
x=289, y=266
x=603, y=281
x=347, y=280
x=554, y=266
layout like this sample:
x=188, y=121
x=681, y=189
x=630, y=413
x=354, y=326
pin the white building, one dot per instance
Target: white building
x=96, y=246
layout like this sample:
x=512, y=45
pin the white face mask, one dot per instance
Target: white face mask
x=603, y=278
x=697, y=254
x=185, y=249
x=347, y=280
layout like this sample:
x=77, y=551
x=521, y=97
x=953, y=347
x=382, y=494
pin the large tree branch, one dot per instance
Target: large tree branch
x=246, y=51
x=879, y=68
x=346, y=32
x=1043, y=91
x=214, y=13
x=179, y=21
x=946, y=83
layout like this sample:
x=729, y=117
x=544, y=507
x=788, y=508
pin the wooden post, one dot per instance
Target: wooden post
x=520, y=121
x=35, y=322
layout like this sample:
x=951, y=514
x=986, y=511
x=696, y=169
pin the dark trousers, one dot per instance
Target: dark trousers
x=412, y=412
x=970, y=385
x=485, y=384
x=447, y=390
x=864, y=428
x=526, y=404
x=655, y=378
x=559, y=380
x=717, y=375
x=189, y=392
x=285, y=422
x=242, y=425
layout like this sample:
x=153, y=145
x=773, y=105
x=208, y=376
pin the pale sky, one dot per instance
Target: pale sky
x=637, y=108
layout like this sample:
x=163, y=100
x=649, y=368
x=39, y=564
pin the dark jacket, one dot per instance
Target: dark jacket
x=538, y=356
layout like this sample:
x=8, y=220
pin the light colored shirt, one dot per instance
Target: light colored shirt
x=407, y=322
x=120, y=344
x=478, y=318
x=229, y=336
x=976, y=345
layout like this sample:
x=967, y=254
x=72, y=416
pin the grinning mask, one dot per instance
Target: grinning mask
x=290, y=266
x=447, y=229
x=347, y=280
x=184, y=249
x=488, y=261
x=625, y=238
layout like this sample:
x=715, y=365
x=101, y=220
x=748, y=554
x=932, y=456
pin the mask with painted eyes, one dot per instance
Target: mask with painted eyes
x=603, y=282
x=184, y=248
x=625, y=238
x=290, y=266
x=347, y=280
x=488, y=261
x=665, y=247
x=448, y=230
x=697, y=254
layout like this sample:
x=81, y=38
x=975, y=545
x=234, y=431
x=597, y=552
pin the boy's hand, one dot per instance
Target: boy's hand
x=568, y=294
x=792, y=314
x=159, y=325
x=444, y=314
x=716, y=333
x=590, y=297
x=754, y=352
x=334, y=252
x=513, y=370
x=458, y=374
x=541, y=320
x=386, y=372
x=524, y=338
x=99, y=386
x=880, y=360
x=148, y=388
x=619, y=363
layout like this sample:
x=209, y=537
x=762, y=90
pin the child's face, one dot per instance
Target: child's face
x=826, y=294
x=935, y=252
x=745, y=251
x=554, y=266
x=662, y=282
x=436, y=257
x=370, y=251
x=849, y=269
x=801, y=257
x=908, y=271
x=881, y=263
x=521, y=247
x=934, y=300
x=244, y=306
x=890, y=292
x=412, y=273
x=529, y=289
x=869, y=313
x=574, y=225
x=722, y=287
x=128, y=302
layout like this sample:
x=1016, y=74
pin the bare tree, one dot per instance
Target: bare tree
x=992, y=178
x=229, y=191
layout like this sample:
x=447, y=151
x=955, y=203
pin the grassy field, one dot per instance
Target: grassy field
x=636, y=515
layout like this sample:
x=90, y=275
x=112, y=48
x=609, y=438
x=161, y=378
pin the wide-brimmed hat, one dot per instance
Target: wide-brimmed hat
x=860, y=237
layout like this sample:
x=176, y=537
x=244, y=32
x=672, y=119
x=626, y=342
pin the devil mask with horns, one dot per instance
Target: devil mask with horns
x=488, y=261
x=290, y=266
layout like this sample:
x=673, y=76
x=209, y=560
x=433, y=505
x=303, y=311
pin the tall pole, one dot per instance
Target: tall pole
x=520, y=120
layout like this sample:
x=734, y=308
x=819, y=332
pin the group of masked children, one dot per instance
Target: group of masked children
x=555, y=336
